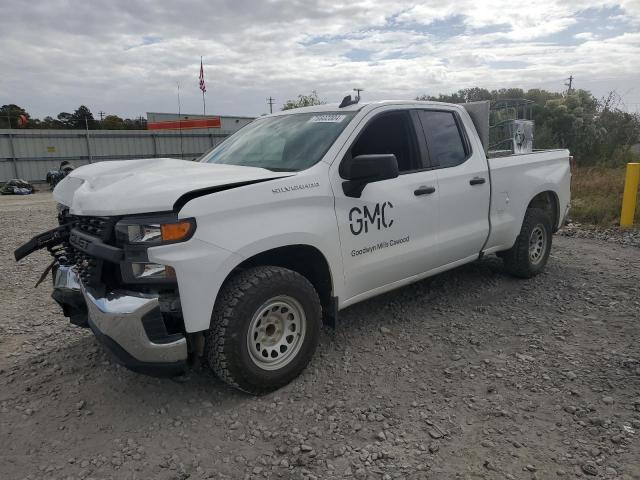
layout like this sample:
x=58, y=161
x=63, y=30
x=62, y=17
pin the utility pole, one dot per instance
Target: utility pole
x=101, y=113
x=180, y=121
x=86, y=126
x=271, y=101
x=358, y=90
x=569, y=84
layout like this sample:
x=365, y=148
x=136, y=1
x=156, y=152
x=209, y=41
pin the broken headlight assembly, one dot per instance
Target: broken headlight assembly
x=136, y=235
x=152, y=271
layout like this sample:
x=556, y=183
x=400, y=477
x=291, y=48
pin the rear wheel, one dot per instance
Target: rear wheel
x=530, y=253
x=264, y=329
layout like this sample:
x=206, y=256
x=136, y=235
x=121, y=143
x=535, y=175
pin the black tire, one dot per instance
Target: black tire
x=517, y=260
x=238, y=308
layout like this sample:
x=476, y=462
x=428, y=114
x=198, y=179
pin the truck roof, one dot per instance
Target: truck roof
x=335, y=107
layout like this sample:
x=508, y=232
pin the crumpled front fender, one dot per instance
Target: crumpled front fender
x=201, y=268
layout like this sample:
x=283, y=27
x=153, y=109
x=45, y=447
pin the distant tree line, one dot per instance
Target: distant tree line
x=304, y=101
x=81, y=118
x=596, y=131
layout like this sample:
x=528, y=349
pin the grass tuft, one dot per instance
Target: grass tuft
x=596, y=196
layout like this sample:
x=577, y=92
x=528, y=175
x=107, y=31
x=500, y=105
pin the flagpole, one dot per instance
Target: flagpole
x=204, y=105
x=180, y=121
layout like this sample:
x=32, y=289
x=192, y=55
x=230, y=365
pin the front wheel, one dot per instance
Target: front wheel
x=264, y=329
x=530, y=253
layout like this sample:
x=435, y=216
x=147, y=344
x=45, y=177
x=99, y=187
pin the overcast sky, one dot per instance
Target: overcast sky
x=125, y=57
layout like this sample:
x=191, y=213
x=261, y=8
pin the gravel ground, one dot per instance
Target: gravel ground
x=471, y=374
x=629, y=236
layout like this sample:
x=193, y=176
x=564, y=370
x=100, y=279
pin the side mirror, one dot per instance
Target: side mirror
x=364, y=169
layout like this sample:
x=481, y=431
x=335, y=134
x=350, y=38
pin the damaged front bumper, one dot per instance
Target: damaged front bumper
x=67, y=291
x=129, y=324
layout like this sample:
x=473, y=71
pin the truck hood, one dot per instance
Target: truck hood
x=150, y=185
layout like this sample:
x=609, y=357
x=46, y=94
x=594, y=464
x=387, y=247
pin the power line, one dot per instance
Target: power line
x=271, y=101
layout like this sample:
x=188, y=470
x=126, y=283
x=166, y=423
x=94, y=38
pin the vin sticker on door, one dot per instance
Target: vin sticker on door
x=336, y=118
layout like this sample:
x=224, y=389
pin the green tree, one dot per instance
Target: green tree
x=135, y=123
x=64, y=120
x=448, y=98
x=476, y=94
x=572, y=122
x=540, y=97
x=11, y=113
x=464, y=95
x=47, y=122
x=304, y=101
x=112, y=122
x=507, y=93
x=82, y=118
x=621, y=130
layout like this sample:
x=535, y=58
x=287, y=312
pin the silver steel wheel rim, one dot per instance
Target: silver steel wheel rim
x=537, y=244
x=276, y=332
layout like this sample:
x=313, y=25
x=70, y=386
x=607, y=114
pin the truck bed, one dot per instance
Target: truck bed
x=517, y=178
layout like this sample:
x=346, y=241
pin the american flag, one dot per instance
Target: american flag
x=202, y=85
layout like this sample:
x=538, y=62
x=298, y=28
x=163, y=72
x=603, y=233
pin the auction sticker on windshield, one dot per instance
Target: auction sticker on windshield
x=327, y=118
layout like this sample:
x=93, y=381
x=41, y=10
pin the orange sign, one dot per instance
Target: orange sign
x=212, y=122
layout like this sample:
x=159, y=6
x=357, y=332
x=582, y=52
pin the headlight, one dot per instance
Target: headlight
x=152, y=271
x=138, y=231
x=142, y=233
x=136, y=234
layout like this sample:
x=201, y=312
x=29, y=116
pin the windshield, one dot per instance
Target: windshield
x=283, y=143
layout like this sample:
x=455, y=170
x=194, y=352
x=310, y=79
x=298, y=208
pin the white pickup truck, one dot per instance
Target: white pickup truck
x=238, y=258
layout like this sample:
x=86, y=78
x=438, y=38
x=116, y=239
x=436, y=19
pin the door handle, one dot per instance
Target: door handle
x=477, y=181
x=423, y=190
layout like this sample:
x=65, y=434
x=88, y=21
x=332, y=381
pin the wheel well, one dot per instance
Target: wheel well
x=547, y=201
x=304, y=259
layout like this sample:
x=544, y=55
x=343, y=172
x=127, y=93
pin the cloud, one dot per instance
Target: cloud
x=584, y=36
x=126, y=57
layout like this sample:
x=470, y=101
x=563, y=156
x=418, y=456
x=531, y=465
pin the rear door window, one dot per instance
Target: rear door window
x=445, y=141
